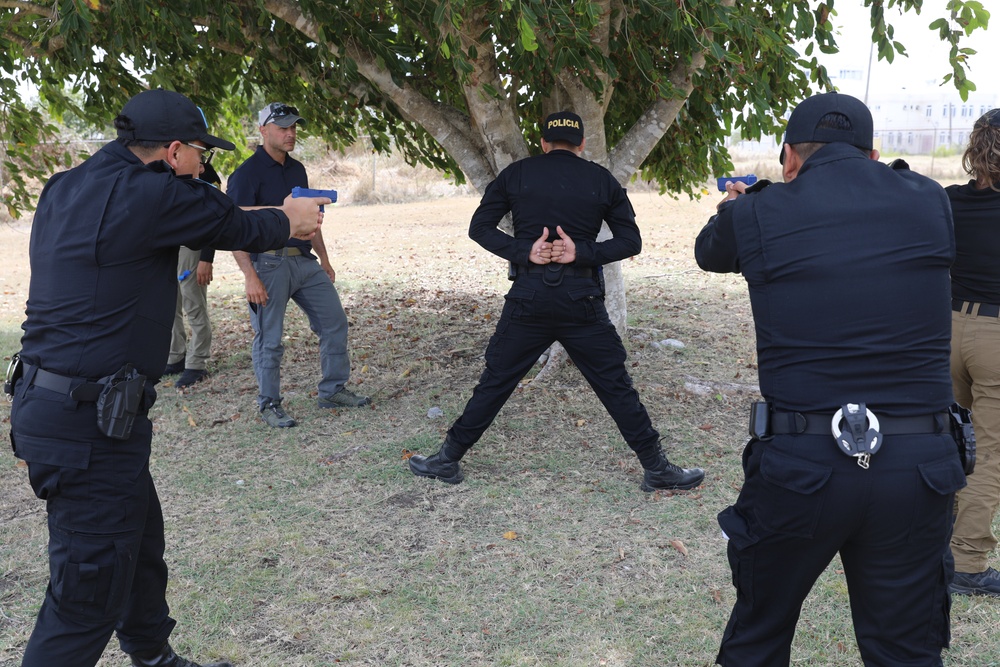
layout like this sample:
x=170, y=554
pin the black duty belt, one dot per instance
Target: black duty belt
x=79, y=389
x=818, y=423
x=969, y=308
x=574, y=271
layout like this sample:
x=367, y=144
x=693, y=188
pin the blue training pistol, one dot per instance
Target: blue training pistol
x=332, y=194
x=749, y=179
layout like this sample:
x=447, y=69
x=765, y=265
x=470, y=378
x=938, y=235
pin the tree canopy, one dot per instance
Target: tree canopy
x=458, y=85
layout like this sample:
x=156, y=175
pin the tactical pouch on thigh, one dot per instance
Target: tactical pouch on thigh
x=119, y=402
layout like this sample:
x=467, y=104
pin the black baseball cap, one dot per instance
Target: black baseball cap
x=802, y=124
x=165, y=115
x=563, y=126
x=990, y=118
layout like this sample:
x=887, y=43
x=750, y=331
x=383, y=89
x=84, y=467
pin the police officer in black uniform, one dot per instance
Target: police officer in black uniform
x=99, y=313
x=558, y=202
x=847, y=265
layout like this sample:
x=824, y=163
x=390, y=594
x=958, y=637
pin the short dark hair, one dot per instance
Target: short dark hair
x=831, y=121
x=124, y=124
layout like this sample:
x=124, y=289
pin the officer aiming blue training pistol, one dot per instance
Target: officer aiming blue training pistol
x=332, y=194
x=749, y=179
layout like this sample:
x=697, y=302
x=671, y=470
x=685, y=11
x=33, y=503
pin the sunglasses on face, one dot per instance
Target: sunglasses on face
x=281, y=111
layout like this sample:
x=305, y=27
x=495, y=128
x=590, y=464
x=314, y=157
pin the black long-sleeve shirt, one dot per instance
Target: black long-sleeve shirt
x=104, y=260
x=557, y=188
x=847, y=267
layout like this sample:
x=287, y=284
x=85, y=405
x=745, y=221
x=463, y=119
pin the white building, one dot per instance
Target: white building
x=918, y=119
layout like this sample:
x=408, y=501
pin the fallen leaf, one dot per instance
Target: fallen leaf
x=407, y=454
x=510, y=535
x=677, y=544
x=191, y=421
x=580, y=422
x=706, y=427
x=716, y=596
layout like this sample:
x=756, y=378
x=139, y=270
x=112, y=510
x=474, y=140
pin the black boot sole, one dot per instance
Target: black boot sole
x=673, y=487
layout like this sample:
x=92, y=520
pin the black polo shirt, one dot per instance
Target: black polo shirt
x=262, y=181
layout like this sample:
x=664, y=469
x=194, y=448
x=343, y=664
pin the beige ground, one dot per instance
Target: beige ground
x=369, y=242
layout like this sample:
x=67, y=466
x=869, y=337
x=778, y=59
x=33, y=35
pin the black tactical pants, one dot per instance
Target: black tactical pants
x=803, y=502
x=106, y=568
x=534, y=316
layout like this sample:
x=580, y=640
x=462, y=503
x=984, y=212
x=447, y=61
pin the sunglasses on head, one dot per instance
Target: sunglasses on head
x=280, y=111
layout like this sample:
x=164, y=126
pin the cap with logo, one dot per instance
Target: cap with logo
x=563, y=126
x=165, y=115
x=280, y=114
x=802, y=125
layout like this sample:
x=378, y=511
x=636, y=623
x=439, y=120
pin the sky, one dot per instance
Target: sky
x=927, y=63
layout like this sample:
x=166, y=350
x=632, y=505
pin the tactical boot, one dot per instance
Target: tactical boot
x=666, y=475
x=443, y=465
x=165, y=657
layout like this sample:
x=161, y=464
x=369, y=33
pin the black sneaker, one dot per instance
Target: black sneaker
x=274, y=416
x=174, y=369
x=976, y=583
x=189, y=377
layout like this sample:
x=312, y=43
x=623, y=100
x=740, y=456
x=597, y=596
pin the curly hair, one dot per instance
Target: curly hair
x=981, y=159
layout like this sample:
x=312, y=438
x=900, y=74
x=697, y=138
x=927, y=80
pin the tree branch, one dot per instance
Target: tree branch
x=638, y=142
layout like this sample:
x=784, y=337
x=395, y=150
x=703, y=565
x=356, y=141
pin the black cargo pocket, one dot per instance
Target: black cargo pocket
x=941, y=479
x=589, y=303
x=50, y=459
x=49, y=451
x=519, y=302
x=93, y=580
x=787, y=498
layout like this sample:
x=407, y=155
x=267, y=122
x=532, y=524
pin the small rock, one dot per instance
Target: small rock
x=435, y=412
x=671, y=342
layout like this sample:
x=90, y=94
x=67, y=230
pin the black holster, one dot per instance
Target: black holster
x=119, y=402
x=965, y=436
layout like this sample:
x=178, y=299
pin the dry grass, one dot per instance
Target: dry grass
x=315, y=546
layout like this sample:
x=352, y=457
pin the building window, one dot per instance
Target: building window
x=928, y=114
